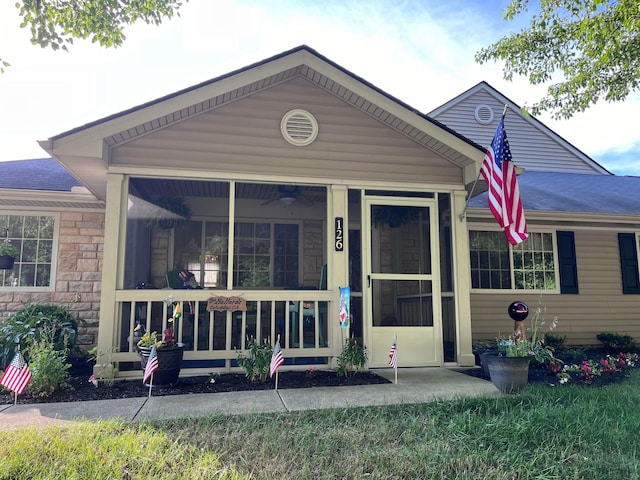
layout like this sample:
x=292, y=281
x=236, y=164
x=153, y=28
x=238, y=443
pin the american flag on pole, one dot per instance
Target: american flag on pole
x=152, y=364
x=504, y=195
x=393, y=355
x=17, y=375
x=277, y=359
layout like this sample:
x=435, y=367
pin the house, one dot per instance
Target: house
x=300, y=178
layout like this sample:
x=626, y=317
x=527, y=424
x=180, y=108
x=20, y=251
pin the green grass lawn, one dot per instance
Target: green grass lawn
x=544, y=433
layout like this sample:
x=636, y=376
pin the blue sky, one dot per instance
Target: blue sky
x=418, y=51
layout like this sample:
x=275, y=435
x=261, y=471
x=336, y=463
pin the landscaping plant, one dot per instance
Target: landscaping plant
x=105, y=367
x=24, y=328
x=256, y=363
x=352, y=359
x=48, y=365
x=615, y=341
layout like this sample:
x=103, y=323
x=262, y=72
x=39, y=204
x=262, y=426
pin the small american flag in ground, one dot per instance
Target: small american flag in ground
x=504, y=194
x=152, y=364
x=393, y=355
x=17, y=375
x=277, y=359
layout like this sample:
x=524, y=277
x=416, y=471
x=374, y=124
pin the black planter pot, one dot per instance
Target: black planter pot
x=508, y=374
x=6, y=262
x=169, y=363
x=483, y=354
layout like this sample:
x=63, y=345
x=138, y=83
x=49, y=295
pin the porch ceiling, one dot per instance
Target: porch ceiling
x=148, y=188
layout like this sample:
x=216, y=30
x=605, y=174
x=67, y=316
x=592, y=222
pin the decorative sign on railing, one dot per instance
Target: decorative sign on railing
x=226, y=304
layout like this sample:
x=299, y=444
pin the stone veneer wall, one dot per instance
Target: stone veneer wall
x=78, y=277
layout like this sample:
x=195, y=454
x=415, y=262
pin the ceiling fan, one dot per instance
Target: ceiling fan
x=288, y=195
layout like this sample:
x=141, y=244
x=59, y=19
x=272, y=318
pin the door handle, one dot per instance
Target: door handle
x=368, y=281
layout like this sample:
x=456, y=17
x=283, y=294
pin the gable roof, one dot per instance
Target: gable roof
x=575, y=193
x=84, y=151
x=37, y=174
x=533, y=144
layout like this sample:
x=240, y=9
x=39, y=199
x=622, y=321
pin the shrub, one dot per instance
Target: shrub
x=615, y=341
x=554, y=341
x=23, y=328
x=47, y=365
x=352, y=359
x=105, y=367
x=256, y=365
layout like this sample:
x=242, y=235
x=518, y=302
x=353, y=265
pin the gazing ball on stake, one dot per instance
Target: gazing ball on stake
x=518, y=311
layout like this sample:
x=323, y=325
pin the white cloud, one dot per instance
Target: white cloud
x=420, y=52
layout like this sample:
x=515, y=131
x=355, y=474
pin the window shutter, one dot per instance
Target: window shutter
x=629, y=263
x=568, y=267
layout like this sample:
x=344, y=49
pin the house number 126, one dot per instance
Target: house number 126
x=339, y=242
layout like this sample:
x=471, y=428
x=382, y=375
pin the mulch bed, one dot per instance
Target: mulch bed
x=82, y=389
x=540, y=374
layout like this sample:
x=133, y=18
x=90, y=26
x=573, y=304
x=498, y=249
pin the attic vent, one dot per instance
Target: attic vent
x=484, y=114
x=299, y=127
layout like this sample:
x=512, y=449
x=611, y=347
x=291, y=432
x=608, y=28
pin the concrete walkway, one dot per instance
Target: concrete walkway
x=415, y=385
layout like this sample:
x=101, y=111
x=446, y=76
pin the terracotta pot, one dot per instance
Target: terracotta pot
x=6, y=262
x=169, y=363
x=508, y=374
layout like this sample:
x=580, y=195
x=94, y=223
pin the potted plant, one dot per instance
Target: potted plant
x=169, y=351
x=509, y=365
x=167, y=212
x=8, y=254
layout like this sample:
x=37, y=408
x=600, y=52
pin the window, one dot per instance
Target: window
x=32, y=235
x=628, y=244
x=265, y=254
x=496, y=265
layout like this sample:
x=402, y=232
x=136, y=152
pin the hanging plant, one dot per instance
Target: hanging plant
x=394, y=215
x=8, y=253
x=8, y=250
x=170, y=212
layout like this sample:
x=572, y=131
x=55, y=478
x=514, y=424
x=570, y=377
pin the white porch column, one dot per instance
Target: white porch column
x=462, y=276
x=337, y=261
x=112, y=263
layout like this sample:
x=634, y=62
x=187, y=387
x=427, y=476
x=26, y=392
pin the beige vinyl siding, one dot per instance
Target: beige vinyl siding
x=244, y=137
x=531, y=147
x=599, y=307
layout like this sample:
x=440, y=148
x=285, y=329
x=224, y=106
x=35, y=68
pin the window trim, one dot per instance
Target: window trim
x=511, y=291
x=272, y=222
x=54, y=251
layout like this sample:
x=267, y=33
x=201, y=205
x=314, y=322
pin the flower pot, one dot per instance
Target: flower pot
x=6, y=262
x=483, y=361
x=508, y=374
x=169, y=363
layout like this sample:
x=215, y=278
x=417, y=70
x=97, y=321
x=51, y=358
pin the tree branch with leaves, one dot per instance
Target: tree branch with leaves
x=592, y=46
x=56, y=23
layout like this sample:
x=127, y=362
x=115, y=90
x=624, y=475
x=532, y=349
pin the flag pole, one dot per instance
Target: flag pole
x=150, y=385
x=395, y=368
x=278, y=370
x=470, y=196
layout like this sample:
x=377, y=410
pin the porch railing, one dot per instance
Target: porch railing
x=299, y=318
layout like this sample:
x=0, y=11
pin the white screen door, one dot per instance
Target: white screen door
x=402, y=291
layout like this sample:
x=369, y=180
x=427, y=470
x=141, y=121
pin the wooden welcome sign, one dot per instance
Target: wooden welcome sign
x=226, y=304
